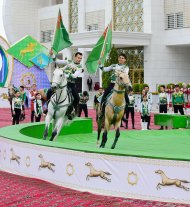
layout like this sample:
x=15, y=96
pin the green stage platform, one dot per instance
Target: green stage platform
x=169, y=144
x=175, y=121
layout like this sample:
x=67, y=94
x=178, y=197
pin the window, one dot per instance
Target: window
x=174, y=21
x=179, y=20
x=92, y=27
x=170, y=23
x=46, y=36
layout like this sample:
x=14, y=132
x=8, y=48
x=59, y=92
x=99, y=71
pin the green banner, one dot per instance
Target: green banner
x=26, y=49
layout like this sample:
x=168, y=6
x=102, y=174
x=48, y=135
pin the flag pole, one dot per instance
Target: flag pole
x=53, y=37
x=105, y=40
x=104, y=44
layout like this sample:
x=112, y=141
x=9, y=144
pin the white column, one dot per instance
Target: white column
x=81, y=15
x=147, y=16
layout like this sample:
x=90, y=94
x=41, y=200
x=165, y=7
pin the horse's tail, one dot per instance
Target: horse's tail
x=184, y=181
x=107, y=173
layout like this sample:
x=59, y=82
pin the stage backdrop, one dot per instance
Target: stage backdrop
x=26, y=77
x=6, y=64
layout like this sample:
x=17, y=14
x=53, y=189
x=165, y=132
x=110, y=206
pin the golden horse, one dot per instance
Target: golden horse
x=114, y=110
x=96, y=173
x=45, y=164
x=29, y=48
x=168, y=181
x=14, y=157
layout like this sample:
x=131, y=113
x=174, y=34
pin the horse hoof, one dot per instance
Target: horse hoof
x=113, y=147
x=102, y=146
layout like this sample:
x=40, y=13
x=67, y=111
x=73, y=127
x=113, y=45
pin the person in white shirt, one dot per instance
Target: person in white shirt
x=163, y=102
x=149, y=98
x=72, y=70
x=121, y=66
x=145, y=108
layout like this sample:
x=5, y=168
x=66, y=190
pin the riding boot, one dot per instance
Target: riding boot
x=69, y=112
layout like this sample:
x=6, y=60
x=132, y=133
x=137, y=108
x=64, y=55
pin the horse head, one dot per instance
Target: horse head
x=40, y=156
x=58, y=79
x=123, y=79
x=88, y=164
x=11, y=149
x=159, y=172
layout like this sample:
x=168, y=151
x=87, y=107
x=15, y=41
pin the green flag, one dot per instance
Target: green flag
x=25, y=49
x=100, y=51
x=61, y=38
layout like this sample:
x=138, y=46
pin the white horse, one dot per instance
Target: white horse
x=58, y=104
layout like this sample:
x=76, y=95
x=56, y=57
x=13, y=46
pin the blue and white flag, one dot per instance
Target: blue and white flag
x=41, y=60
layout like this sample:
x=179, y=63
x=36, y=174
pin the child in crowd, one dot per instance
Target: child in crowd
x=32, y=95
x=163, y=102
x=84, y=97
x=38, y=109
x=23, y=97
x=16, y=107
x=145, y=112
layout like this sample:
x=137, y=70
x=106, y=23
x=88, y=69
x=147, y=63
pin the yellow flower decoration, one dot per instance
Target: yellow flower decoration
x=27, y=161
x=70, y=169
x=132, y=178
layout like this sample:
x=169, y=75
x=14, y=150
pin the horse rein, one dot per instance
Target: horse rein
x=56, y=103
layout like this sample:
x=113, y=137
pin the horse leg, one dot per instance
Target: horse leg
x=104, y=139
x=116, y=138
x=183, y=187
x=47, y=121
x=99, y=130
x=57, y=129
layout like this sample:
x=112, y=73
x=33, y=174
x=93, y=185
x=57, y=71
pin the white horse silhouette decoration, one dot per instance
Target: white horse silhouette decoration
x=58, y=104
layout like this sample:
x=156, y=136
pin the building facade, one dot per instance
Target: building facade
x=153, y=34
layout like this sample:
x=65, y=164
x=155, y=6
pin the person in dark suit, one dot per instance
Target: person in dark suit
x=89, y=83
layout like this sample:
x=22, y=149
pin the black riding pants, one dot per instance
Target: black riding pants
x=74, y=93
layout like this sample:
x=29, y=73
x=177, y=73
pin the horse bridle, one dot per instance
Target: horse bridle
x=60, y=87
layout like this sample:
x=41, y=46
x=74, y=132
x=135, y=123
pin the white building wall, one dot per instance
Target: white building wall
x=20, y=19
x=164, y=64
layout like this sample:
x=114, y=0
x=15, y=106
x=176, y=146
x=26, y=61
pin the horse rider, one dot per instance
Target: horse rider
x=120, y=67
x=72, y=70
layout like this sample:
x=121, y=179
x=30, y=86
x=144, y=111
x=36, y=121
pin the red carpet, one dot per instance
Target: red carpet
x=17, y=191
